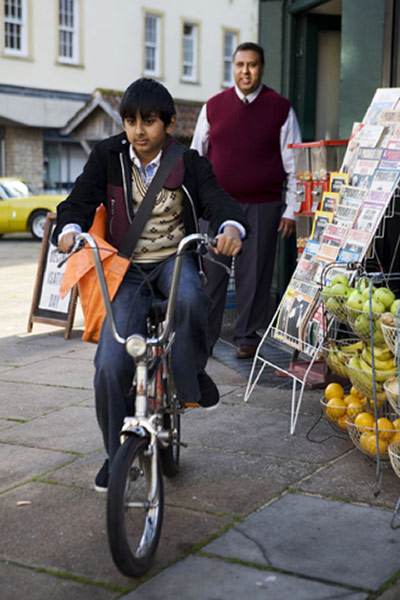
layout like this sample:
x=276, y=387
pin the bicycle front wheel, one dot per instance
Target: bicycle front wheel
x=135, y=503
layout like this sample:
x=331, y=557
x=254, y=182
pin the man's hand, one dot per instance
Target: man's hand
x=228, y=242
x=66, y=241
x=287, y=226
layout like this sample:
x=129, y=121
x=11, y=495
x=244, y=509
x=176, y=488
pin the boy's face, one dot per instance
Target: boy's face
x=147, y=135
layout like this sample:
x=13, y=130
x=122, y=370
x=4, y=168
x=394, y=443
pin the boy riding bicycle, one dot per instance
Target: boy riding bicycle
x=117, y=174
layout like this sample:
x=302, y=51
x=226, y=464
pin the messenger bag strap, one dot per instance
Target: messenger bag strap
x=142, y=216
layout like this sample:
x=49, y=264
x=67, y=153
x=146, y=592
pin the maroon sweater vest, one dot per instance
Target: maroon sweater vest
x=244, y=144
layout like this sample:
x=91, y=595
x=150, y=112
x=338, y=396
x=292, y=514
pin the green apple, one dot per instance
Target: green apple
x=338, y=289
x=333, y=306
x=363, y=284
x=340, y=278
x=394, y=307
x=355, y=301
x=376, y=306
x=365, y=293
x=361, y=324
x=385, y=296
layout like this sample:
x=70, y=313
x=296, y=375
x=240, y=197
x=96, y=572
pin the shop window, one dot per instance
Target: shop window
x=230, y=44
x=190, y=52
x=68, y=31
x=15, y=27
x=152, y=44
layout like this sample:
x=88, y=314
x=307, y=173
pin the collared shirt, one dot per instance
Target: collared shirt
x=289, y=134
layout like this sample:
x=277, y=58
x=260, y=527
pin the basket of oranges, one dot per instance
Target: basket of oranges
x=337, y=405
x=372, y=439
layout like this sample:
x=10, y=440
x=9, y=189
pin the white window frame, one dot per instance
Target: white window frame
x=152, y=46
x=17, y=22
x=227, y=55
x=70, y=30
x=190, y=42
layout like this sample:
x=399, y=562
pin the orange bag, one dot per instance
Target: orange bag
x=81, y=270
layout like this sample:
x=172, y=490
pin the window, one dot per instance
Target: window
x=15, y=29
x=68, y=31
x=230, y=43
x=189, y=62
x=152, y=44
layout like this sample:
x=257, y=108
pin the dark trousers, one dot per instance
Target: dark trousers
x=114, y=368
x=254, y=268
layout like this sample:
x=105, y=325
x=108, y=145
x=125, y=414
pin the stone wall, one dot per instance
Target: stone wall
x=24, y=154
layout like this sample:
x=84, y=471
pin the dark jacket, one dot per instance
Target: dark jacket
x=106, y=179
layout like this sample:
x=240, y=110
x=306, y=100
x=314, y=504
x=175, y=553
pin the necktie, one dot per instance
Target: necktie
x=245, y=100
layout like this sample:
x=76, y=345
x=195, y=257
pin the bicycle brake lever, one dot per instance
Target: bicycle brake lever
x=78, y=245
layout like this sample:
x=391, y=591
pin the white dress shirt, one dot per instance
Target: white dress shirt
x=290, y=134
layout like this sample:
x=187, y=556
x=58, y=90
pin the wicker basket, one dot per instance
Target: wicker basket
x=390, y=336
x=364, y=438
x=363, y=382
x=391, y=394
x=359, y=322
x=335, y=304
x=338, y=424
x=394, y=455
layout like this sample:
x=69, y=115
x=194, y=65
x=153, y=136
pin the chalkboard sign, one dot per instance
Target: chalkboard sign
x=47, y=305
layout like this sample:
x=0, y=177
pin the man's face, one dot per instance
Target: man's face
x=147, y=136
x=247, y=70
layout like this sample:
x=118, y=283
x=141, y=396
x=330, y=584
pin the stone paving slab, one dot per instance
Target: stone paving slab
x=19, y=463
x=208, y=477
x=211, y=579
x=81, y=472
x=19, y=582
x=24, y=401
x=246, y=428
x=64, y=529
x=333, y=481
x=73, y=429
x=69, y=371
x=26, y=349
x=333, y=541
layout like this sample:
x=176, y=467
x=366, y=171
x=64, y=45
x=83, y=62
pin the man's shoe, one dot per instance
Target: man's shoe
x=101, y=481
x=209, y=392
x=246, y=351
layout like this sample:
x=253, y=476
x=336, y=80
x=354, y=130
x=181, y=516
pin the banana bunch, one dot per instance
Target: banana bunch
x=363, y=375
x=339, y=355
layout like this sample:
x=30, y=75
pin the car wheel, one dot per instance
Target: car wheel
x=36, y=224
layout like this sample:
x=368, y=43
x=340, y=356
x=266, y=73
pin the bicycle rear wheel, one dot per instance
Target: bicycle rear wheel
x=134, y=512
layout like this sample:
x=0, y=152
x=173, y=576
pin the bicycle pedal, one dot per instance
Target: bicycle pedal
x=191, y=405
x=183, y=444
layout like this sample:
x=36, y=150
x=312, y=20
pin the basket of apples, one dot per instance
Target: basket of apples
x=365, y=306
x=335, y=296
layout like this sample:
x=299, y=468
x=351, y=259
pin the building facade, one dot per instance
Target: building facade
x=55, y=53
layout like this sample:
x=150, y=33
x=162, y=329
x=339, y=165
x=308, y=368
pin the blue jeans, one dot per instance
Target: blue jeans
x=114, y=368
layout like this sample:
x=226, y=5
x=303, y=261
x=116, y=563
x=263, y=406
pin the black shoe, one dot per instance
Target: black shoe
x=101, y=481
x=209, y=392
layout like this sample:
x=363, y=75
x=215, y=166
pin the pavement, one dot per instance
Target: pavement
x=255, y=512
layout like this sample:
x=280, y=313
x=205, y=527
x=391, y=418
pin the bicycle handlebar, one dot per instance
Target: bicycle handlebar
x=203, y=242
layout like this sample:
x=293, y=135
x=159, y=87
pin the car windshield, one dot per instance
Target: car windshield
x=15, y=188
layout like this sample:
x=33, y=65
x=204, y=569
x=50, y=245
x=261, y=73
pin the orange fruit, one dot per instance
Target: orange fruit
x=335, y=408
x=371, y=445
x=396, y=424
x=385, y=428
x=349, y=398
x=354, y=392
x=354, y=408
x=396, y=437
x=334, y=390
x=364, y=440
x=342, y=422
x=363, y=421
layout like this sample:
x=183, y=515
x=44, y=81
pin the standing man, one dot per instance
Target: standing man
x=244, y=131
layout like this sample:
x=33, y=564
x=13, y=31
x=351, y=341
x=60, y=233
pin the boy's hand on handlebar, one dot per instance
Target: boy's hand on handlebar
x=228, y=242
x=66, y=242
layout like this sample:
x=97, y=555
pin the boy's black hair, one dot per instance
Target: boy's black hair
x=148, y=97
x=251, y=46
